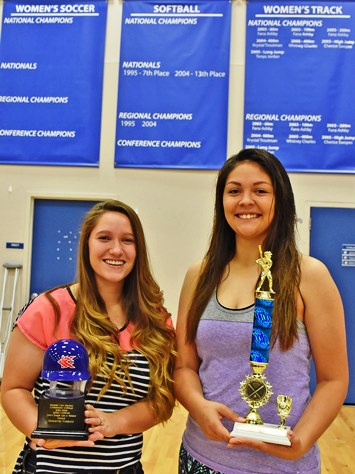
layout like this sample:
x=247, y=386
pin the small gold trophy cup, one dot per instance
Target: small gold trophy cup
x=255, y=390
x=284, y=405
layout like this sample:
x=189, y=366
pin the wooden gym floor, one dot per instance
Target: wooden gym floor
x=161, y=444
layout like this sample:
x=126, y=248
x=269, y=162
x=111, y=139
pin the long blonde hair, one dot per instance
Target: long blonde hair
x=143, y=302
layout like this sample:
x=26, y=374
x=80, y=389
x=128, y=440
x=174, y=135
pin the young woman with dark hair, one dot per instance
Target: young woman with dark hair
x=255, y=207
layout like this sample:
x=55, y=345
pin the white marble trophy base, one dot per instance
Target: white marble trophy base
x=266, y=432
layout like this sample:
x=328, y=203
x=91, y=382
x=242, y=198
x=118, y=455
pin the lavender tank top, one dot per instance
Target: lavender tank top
x=223, y=344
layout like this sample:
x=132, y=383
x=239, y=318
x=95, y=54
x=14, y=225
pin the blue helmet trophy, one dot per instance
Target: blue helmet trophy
x=61, y=408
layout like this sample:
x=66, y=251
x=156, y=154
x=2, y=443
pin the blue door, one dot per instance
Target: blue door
x=56, y=230
x=332, y=240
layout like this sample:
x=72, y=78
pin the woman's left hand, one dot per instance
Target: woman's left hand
x=291, y=453
x=100, y=421
x=99, y=429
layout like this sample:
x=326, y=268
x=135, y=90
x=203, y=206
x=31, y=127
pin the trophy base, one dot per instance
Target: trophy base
x=61, y=418
x=265, y=432
x=58, y=434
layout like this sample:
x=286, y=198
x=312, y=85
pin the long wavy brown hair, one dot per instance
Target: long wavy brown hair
x=143, y=301
x=280, y=241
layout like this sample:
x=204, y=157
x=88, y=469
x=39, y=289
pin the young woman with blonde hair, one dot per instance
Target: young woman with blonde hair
x=116, y=311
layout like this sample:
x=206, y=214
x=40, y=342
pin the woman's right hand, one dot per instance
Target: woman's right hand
x=209, y=416
x=60, y=443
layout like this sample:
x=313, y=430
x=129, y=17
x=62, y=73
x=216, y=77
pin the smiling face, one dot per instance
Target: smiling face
x=112, y=249
x=249, y=201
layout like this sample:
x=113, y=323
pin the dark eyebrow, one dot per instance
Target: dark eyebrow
x=254, y=184
x=233, y=182
x=106, y=231
x=263, y=182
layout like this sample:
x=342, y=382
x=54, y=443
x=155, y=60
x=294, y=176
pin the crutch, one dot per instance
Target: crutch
x=6, y=323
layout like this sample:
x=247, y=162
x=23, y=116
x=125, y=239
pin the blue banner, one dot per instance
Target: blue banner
x=299, y=83
x=173, y=84
x=51, y=74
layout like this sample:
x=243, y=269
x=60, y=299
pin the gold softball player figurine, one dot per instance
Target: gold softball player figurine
x=266, y=263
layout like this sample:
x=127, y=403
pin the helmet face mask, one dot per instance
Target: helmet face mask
x=58, y=389
x=66, y=360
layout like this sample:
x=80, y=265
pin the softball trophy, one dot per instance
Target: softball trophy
x=61, y=407
x=255, y=390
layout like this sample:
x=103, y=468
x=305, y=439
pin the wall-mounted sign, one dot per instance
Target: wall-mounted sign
x=173, y=84
x=299, y=81
x=51, y=73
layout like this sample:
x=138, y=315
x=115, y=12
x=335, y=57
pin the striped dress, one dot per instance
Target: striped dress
x=36, y=322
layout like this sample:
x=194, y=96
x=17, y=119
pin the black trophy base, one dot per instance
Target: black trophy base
x=57, y=434
x=61, y=418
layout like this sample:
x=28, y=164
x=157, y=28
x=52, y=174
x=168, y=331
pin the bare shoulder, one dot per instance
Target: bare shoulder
x=312, y=268
x=74, y=288
x=189, y=285
x=194, y=270
x=192, y=274
x=315, y=277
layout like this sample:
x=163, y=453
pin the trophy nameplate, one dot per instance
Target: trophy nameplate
x=61, y=418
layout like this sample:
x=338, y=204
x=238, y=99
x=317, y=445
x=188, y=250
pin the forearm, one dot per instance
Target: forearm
x=321, y=411
x=191, y=398
x=134, y=418
x=21, y=409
